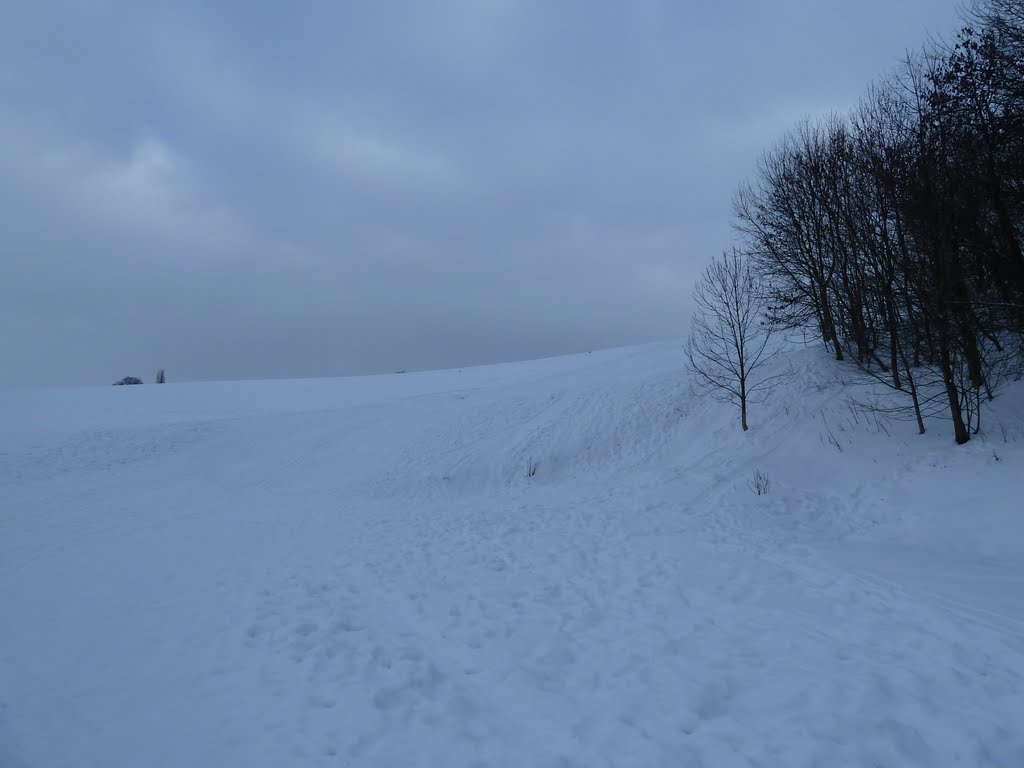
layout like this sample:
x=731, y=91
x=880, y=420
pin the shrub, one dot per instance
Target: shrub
x=760, y=483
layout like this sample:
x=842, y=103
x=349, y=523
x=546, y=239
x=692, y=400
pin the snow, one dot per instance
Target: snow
x=364, y=572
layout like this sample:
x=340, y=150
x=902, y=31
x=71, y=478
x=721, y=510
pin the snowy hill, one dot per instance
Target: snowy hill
x=553, y=563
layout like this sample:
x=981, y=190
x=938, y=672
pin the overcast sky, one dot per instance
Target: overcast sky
x=240, y=189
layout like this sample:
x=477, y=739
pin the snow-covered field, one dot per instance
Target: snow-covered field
x=554, y=563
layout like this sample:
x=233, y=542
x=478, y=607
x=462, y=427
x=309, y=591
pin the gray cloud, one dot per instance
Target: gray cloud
x=266, y=189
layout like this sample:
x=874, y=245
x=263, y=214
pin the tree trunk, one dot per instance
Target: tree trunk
x=960, y=432
x=894, y=365
x=912, y=386
x=828, y=324
x=917, y=405
x=743, y=404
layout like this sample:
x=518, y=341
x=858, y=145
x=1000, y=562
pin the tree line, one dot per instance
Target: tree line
x=894, y=233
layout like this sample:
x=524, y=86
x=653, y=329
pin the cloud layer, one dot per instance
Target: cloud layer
x=266, y=189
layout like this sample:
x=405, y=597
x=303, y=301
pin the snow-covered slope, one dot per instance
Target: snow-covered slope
x=553, y=563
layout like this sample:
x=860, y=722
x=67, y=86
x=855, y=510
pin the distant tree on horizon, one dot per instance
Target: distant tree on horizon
x=128, y=380
x=160, y=378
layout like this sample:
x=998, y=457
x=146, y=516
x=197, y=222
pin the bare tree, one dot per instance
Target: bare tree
x=897, y=232
x=160, y=377
x=728, y=346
